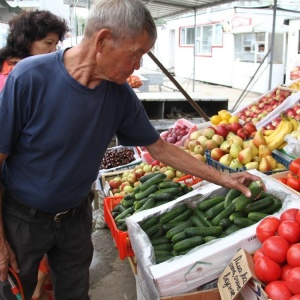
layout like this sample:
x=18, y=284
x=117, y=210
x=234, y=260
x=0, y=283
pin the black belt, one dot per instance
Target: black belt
x=56, y=217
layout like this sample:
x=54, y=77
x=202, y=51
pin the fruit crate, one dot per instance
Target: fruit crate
x=279, y=158
x=121, y=238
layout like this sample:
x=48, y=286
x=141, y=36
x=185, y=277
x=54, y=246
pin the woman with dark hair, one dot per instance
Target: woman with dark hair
x=30, y=33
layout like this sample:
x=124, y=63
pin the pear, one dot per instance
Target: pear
x=245, y=156
x=235, y=149
x=259, y=139
x=225, y=146
x=236, y=164
x=225, y=160
x=272, y=161
x=264, y=150
x=254, y=149
x=252, y=165
x=264, y=165
x=235, y=139
x=256, y=159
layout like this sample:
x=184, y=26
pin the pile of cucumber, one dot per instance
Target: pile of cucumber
x=154, y=190
x=181, y=229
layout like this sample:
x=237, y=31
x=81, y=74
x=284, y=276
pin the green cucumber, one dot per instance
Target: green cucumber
x=161, y=256
x=223, y=214
x=151, y=231
x=173, y=190
x=165, y=196
x=256, y=187
x=158, y=234
x=128, y=196
x=230, y=196
x=167, y=226
x=243, y=222
x=275, y=207
x=167, y=247
x=188, y=243
x=256, y=216
x=196, y=221
x=185, y=188
x=152, y=181
x=237, y=214
x=149, y=222
x=148, y=176
x=183, y=216
x=225, y=223
x=202, y=216
x=214, y=211
x=209, y=202
x=127, y=203
x=168, y=184
x=174, y=212
x=138, y=204
x=159, y=240
x=178, y=237
x=147, y=205
x=259, y=205
x=231, y=229
x=203, y=231
x=122, y=227
x=124, y=214
x=179, y=228
x=209, y=238
x=145, y=193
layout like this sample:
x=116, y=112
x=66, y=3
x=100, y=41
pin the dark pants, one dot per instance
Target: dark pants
x=68, y=246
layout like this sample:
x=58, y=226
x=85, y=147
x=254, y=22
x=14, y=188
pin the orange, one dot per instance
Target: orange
x=215, y=120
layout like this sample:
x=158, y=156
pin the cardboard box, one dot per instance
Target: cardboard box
x=284, y=175
x=238, y=279
x=185, y=273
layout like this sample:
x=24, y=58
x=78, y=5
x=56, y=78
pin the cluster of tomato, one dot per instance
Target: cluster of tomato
x=292, y=179
x=277, y=262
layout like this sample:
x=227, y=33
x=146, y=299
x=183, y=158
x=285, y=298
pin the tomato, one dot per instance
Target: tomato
x=267, y=270
x=278, y=290
x=257, y=254
x=293, y=255
x=293, y=280
x=298, y=217
x=295, y=166
x=276, y=247
x=284, y=271
x=290, y=230
x=290, y=175
x=295, y=297
x=283, y=180
x=267, y=228
x=294, y=183
x=289, y=214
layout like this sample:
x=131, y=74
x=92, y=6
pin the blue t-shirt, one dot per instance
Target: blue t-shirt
x=56, y=131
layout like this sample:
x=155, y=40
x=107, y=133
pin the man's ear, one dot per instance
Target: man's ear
x=100, y=39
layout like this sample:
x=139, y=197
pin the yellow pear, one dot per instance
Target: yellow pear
x=264, y=165
x=235, y=139
x=272, y=161
x=254, y=149
x=252, y=165
x=259, y=139
x=264, y=150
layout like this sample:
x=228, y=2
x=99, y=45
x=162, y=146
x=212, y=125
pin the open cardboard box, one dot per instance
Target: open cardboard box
x=283, y=175
x=205, y=263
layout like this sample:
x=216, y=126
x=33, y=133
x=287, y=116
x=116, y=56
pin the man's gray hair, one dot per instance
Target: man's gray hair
x=125, y=19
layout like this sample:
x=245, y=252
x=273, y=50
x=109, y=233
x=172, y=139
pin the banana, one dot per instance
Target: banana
x=282, y=145
x=287, y=128
x=270, y=138
x=295, y=123
x=268, y=132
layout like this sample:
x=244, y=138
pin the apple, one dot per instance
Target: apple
x=138, y=173
x=235, y=126
x=210, y=144
x=199, y=149
x=123, y=184
x=208, y=132
x=250, y=127
x=243, y=133
x=170, y=174
x=131, y=178
x=217, y=153
x=147, y=168
x=222, y=130
x=155, y=168
x=115, y=182
x=179, y=174
x=128, y=189
x=218, y=139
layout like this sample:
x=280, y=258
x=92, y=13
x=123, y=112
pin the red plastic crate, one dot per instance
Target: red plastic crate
x=121, y=238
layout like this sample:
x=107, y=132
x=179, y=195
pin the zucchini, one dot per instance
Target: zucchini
x=188, y=243
x=215, y=210
x=237, y=214
x=159, y=240
x=179, y=228
x=243, y=222
x=223, y=214
x=259, y=205
x=178, y=237
x=203, y=231
x=256, y=216
x=124, y=214
x=157, y=178
x=166, y=217
x=225, y=223
x=149, y=222
x=242, y=201
x=277, y=204
x=209, y=202
x=168, y=184
x=145, y=193
x=183, y=217
x=230, y=196
x=147, y=205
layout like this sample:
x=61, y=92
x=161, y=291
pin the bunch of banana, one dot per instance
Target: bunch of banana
x=275, y=139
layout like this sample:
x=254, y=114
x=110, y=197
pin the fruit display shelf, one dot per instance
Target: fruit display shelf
x=279, y=158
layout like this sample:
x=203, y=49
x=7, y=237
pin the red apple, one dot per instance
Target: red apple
x=250, y=127
x=216, y=153
x=243, y=133
x=123, y=184
x=115, y=182
x=222, y=130
x=234, y=127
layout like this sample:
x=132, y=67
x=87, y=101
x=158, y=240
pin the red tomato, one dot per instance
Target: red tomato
x=289, y=214
x=267, y=228
x=283, y=180
x=293, y=255
x=298, y=217
x=290, y=175
x=276, y=247
x=284, y=271
x=295, y=166
x=295, y=297
x=293, y=280
x=290, y=230
x=294, y=183
x=267, y=270
x=278, y=290
x=257, y=254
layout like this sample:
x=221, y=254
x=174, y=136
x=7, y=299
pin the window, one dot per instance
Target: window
x=206, y=37
x=187, y=36
x=250, y=47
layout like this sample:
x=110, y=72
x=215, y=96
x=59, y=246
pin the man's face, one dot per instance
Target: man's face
x=118, y=61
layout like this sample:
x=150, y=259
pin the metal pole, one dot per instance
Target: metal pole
x=179, y=87
x=272, y=44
